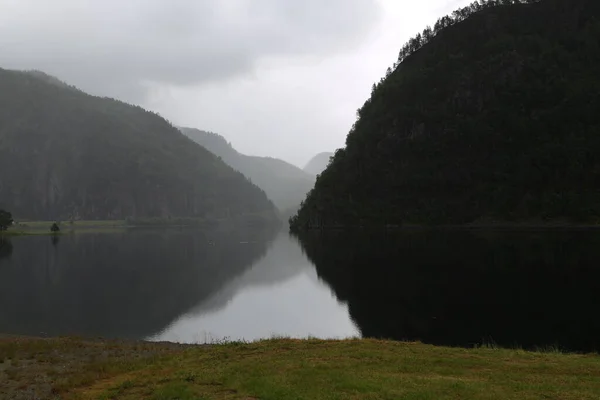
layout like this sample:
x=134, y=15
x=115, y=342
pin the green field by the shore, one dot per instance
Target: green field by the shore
x=287, y=369
x=249, y=221
x=23, y=228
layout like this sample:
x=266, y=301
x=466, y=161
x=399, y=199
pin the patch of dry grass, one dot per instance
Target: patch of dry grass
x=48, y=368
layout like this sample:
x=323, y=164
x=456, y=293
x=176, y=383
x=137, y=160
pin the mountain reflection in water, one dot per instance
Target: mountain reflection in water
x=461, y=288
x=280, y=295
x=523, y=289
x=171, y=284
x=126, y=285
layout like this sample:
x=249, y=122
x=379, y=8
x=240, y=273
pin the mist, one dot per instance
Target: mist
x=279, y=79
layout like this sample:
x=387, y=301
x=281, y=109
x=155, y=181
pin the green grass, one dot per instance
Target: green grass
x=79, y=224
x=289, y=369
x=26, y=228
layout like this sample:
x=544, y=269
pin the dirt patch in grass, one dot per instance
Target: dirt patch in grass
x=48, y=368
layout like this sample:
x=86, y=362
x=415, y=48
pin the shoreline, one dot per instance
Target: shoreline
x=451, y=228
x=469, y=226
x=42, y=228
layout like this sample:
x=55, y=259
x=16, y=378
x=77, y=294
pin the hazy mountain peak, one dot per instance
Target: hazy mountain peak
x=318, y=163
x=49, y=78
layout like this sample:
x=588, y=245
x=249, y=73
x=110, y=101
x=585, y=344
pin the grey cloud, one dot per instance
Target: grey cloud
x=112, y=47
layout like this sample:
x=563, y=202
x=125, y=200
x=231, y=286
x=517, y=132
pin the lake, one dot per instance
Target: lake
x=529, y=289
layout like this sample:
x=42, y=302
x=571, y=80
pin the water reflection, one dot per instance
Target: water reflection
x=526, y=289
x=178, y=285
x=128, y=285
x=6, y=247
x=280, y=295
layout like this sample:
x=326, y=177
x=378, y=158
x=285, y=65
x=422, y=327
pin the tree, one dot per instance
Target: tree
x=55, y=228
x=5, y=220
x=427, y=34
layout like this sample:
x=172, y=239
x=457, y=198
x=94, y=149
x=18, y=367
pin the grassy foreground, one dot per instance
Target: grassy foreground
x=287, y=369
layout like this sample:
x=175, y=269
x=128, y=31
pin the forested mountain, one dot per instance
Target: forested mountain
x=285, y=184
x=490, y=115
x=318, y=163
x=66, y=154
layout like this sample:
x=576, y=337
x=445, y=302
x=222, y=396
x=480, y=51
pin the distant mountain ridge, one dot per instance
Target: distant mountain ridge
x=49, y=79
x=66, y=154
x=318, y=163
x=285, y=184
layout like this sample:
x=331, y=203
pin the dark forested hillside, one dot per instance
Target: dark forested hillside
x=490, y=115
x=65, y=154
x=318, y=163
x=285, y=184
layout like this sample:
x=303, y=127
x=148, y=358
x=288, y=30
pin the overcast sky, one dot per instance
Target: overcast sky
x=281, y=78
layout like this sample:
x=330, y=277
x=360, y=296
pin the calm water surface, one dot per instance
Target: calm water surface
x=528, y=289
x=177, y=285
